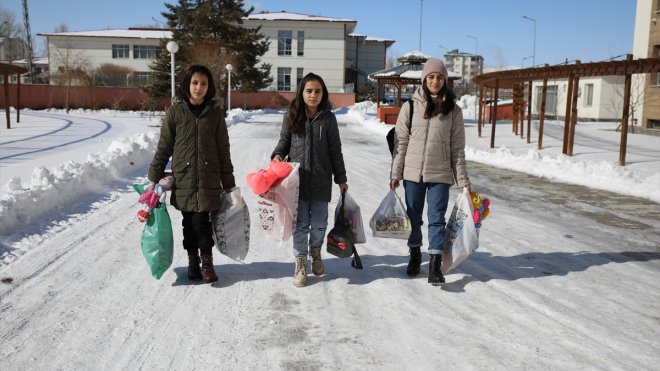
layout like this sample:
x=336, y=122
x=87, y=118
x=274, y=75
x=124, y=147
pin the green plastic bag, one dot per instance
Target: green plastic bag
x=157, y=239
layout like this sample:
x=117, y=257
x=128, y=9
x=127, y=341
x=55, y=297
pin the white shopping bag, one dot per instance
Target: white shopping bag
x=390, y=219
x=461, y=235
x=278, y=207
x=231, y=226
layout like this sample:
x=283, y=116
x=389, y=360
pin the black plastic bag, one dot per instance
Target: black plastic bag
x=340, y=238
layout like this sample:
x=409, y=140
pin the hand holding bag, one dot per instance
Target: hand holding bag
x=354, y=215
x=390, y=219
x=278, y=206
x=461, y=235
x=340, y=238
x=157, y=239
x=231, y=226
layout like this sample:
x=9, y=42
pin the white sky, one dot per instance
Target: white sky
x=565, y=277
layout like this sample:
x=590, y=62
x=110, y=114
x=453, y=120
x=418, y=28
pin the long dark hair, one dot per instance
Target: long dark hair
x=297, y=109
x=184, y=87
x=435, y=106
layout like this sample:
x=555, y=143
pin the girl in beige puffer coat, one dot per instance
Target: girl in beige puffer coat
x=430, y=158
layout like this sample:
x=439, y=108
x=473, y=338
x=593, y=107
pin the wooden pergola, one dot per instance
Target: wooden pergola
x=516, y=79
x=7, y=69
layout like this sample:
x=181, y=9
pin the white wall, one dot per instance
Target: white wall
x=92, y=52
x=641, y=43
x=607, y=97
x=324, y=50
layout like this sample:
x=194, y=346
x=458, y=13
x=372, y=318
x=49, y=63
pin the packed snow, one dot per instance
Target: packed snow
x=567, y=275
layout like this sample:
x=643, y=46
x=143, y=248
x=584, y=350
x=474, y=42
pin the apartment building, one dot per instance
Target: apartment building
x=645, y=89
x=465, y=64
x=299, y=44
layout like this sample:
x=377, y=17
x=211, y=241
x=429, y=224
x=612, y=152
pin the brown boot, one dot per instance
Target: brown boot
x=194, y=271
x=207, y=268
x=317, y=262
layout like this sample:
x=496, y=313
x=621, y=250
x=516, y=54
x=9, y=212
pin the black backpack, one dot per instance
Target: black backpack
x=392, y=140
x=340, y=238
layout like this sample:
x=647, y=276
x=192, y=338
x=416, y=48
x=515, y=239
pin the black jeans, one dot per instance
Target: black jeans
x=197, y=232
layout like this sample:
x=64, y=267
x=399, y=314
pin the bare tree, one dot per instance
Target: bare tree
x=109, y=74
x=71, y=70
x=637, y=98
x=12, y=35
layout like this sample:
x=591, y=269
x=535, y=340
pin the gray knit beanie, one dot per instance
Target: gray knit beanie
x=434, y=65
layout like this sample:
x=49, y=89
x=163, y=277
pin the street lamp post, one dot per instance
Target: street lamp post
x=229, y=68
x=523, y=61
x=421, y=6
x=534, y=48
x=476, y=48
x=443, y=47
x=172, y=47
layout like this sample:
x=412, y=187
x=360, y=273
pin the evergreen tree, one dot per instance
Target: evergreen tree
x=211, y=32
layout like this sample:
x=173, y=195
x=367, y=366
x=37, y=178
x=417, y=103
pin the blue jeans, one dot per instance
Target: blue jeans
x=310, y=226
x=438, y=197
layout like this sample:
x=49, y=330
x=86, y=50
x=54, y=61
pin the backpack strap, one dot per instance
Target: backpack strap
x=411, y=109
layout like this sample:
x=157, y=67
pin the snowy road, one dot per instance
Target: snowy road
x=565, y=278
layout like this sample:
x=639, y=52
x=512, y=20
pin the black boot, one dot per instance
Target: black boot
x=435, y=272
x=415, y=261
x=194, y=271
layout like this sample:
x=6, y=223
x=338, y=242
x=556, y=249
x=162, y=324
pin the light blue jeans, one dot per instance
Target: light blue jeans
x=311, y=224
x=437, y=195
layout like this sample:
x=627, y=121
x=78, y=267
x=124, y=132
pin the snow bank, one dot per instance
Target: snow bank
x=54, y=189
x=594, y=174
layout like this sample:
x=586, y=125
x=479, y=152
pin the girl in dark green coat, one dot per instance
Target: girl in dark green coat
x=194, y=134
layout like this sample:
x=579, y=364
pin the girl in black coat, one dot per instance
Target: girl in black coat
x=310, y=136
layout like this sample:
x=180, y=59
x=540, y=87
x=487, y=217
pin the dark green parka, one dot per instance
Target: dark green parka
x=201, y=161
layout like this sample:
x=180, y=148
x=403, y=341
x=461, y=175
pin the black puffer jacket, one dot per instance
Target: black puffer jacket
x=201, y=160
x=319, y=153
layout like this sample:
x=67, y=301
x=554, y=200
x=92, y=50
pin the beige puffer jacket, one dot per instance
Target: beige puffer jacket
x=434, y=149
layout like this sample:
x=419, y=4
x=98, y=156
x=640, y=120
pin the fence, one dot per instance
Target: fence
x=96, y=97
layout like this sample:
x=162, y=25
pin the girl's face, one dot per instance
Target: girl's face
x=199, y=85
x=435, y=82
x=312, y=94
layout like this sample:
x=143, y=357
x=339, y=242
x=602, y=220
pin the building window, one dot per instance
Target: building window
x=146, y=51
x=284, y=42
x=120, y=51
x=301, y=43
x=550, y=99
x=588, y=95
x=283, y=79
x=142, y=78
x=299, y=75
x=655, y=78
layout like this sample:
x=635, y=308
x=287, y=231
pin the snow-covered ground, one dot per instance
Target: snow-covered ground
x=566, y=277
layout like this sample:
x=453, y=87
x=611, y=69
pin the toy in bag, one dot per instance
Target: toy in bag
x=278, y=206
x=157, y=241
x=462, y=232
x=151, y=197
x=390, y=219
x=231, y=226
x=481, y=210
x=340, y=238
x=354, y=216
x=264, y=179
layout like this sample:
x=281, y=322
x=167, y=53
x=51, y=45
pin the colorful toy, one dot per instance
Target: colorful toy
x=152, y=196
x=481, y=210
